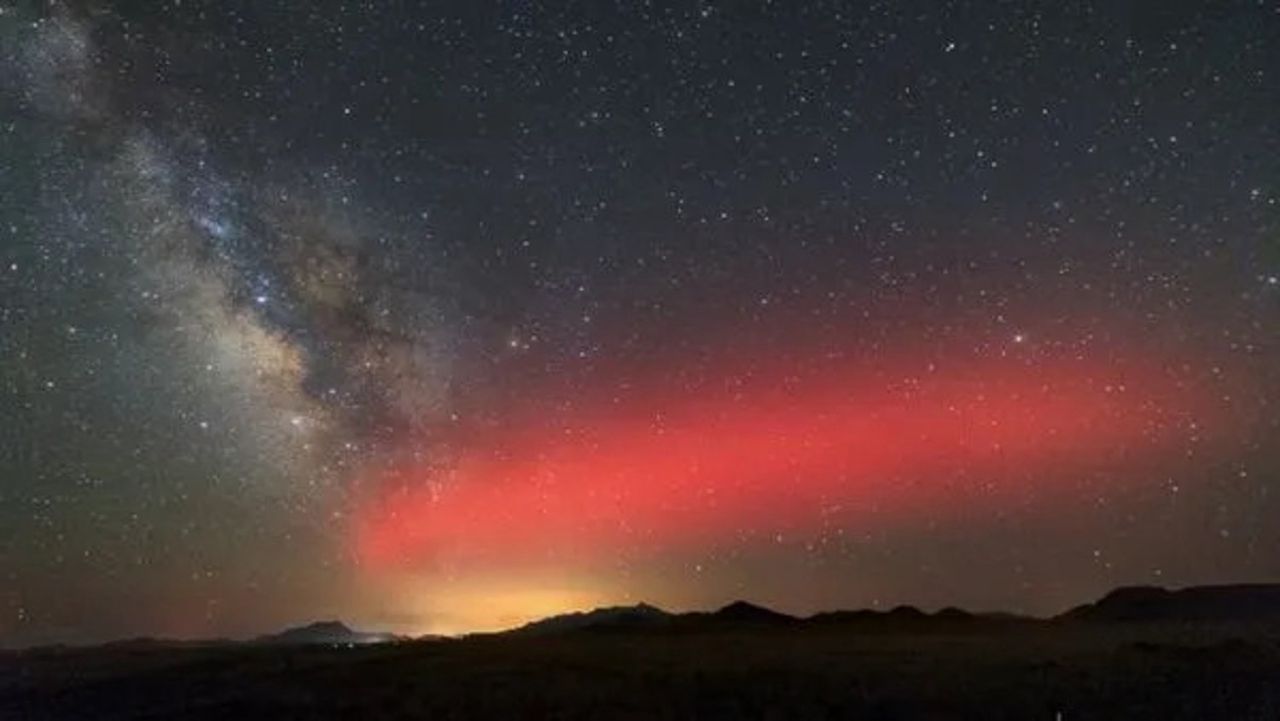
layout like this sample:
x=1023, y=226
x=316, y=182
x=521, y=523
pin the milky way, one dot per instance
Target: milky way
x=441, y=318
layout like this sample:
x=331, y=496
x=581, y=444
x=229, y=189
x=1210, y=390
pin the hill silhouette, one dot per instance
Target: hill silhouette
x=325, y=632
x=644, y=617
x=641, y=615
x=1183, y=655
x=1243, y=602
x=749, y=613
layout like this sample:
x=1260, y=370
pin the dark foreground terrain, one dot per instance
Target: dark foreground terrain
x=734, y=665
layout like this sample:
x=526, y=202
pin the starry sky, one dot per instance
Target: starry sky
x=440, y=317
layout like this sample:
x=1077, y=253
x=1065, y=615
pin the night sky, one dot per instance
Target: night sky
x=437, y=317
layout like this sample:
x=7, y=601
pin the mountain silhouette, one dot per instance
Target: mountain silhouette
x=739, y=661
x=644, y=617
x=1222, y=603
x=641, y=615
x=1242, y=602
x=744, y=612
x=324, y=632
x=906, y=613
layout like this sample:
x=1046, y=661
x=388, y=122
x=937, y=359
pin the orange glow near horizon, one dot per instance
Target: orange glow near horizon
x=480, y=603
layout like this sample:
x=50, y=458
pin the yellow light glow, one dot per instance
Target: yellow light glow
x=453, y=605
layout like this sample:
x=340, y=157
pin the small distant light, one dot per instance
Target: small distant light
x=260, y=300
x=1019, y=338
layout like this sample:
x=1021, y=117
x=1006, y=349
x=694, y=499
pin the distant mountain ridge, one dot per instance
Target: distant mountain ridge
x=325, y=632
x=639, y=615
x=738, y=614
x=900, y=615
x=744, y=612
x=1240, y=602
x=1243, y=602
x=1257, y=602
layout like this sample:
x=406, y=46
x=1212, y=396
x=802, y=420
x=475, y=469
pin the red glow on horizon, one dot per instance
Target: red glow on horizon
x=680, y=469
